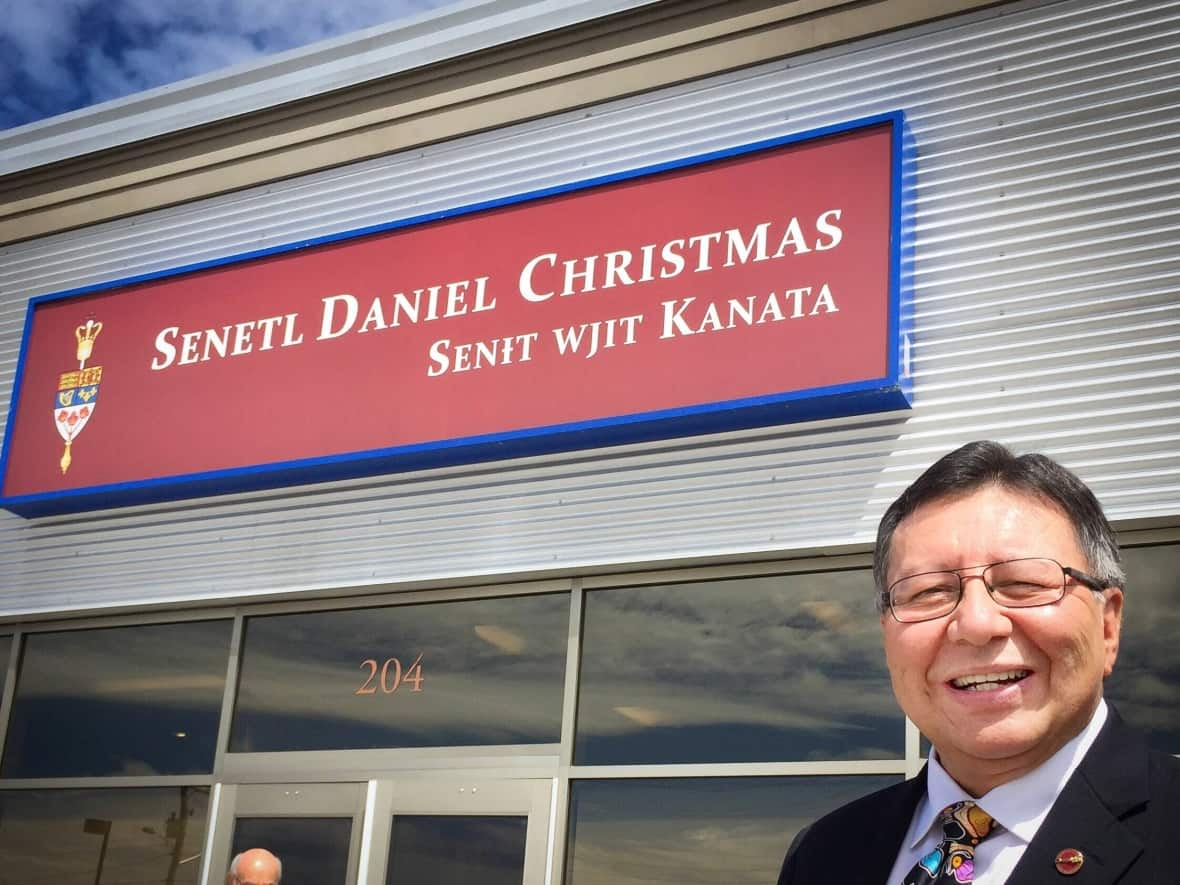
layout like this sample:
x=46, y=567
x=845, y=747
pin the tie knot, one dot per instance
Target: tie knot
x=965, y=823
x=964, y=826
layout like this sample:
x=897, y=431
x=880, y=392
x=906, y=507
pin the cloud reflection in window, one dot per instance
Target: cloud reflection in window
x=778, y=668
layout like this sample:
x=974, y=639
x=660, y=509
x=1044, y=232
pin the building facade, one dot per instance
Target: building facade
x=641, y=662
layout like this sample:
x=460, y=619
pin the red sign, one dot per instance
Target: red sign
x=759, y=286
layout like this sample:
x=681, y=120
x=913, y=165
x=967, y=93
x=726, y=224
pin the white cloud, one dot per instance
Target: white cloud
x=57, y=55
x=34, y=40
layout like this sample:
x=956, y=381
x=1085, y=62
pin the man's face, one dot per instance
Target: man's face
x=1049, y=661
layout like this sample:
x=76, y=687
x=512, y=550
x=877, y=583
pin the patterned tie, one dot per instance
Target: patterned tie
x=964, y=825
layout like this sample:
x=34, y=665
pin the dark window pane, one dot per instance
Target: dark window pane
x=714, y=831
x=448, y=849
x=126, y=700
x=313, y=850
x=757, y=669
x=1145, y=685
x=489, y=671
x=141, y=836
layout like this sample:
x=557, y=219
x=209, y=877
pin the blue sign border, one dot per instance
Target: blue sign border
x=888, y=393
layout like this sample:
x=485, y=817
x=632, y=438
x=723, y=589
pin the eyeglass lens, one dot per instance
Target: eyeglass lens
x=1018, y=583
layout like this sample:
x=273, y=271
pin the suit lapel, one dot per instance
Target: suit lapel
x=880, y=839
x=1110, y=782
x=858, y=844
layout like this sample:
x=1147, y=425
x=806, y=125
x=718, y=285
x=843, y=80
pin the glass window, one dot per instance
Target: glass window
x=755, y=669
x=313, y=850
x=486, y=671
x=1145, y=685
x=116, y=837
x=138, y=700
x=727, y=831
x=439, y=848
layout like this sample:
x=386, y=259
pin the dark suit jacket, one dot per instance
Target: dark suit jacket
x=1121, y=809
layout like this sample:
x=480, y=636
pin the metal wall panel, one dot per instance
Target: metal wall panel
x=1045, y=314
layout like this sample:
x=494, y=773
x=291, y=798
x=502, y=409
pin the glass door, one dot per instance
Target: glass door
x=314, y=829
x=432, y=832
x=420, y=830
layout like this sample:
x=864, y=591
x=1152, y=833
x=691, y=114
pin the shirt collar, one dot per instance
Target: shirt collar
x=1020, y=805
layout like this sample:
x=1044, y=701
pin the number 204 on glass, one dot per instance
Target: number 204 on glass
x=390, y=676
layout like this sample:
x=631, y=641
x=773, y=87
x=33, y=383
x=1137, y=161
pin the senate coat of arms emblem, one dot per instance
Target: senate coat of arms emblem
x=77, y=391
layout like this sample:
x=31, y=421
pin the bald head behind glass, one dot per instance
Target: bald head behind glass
x=256, y=866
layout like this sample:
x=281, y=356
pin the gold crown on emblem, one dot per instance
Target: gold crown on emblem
x=86, y=335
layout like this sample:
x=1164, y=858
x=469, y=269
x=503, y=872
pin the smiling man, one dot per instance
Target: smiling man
x=1001, y=597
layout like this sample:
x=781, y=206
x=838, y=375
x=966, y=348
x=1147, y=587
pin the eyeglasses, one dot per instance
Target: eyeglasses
x=1014, y=583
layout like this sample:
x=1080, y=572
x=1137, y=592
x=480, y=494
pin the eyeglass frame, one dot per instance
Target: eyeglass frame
x=1086, y=580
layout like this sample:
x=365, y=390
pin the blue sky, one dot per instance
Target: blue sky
x=59, y=55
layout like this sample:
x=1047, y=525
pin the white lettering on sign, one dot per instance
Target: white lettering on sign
x=233, y=340
x=446, y=356
x=598, y=335
x=442, y=301
x=548, y=274
x=541, y=278
x=686, y=317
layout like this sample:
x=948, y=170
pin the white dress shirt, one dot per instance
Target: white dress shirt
x=1019, y=807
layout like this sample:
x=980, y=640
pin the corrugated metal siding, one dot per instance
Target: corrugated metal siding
x=1045, y=314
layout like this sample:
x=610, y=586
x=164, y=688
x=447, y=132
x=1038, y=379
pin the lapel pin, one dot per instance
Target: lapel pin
x=1068, y=861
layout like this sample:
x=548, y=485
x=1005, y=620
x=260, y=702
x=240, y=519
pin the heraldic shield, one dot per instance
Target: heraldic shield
x=77, y=391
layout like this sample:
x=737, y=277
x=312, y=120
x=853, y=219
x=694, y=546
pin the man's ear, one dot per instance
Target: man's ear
x=1112, y=623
